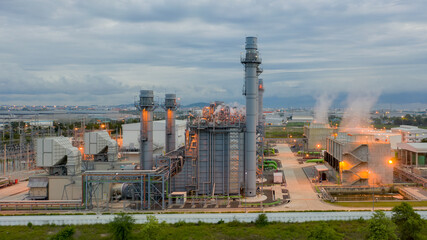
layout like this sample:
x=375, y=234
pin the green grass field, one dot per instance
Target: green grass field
x=235, y=230
x=379, y=204
x=283, y=132
x=355, y=229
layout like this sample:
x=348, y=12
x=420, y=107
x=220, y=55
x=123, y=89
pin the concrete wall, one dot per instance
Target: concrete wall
x=379, y=155
x=362, y=163
x=57, y=184
x=193, y=218
x=316, y=136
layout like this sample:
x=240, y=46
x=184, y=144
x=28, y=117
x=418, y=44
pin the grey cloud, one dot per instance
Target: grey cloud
x=119, y=46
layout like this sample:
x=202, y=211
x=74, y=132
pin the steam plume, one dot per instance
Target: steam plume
x=359, y=105
x=323, y=102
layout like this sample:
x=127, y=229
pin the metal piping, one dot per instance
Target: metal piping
x=146, y=106
x=252, y=70
x=170, y=107
x=260, y=102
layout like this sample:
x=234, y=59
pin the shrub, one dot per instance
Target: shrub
x=323, y=231
x=65, y=234
x=261, y=220
x=29, y=224
x=150, y=230
x=180, y=223
x=234, y=223
x=409, y=223
x=121, y=227
x=381, y=227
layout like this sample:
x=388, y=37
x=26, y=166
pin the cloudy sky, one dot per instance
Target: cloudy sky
x=104, y=52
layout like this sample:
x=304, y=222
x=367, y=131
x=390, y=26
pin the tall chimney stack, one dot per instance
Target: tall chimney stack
x=146, y=106
x=251, y=60
x=170, y=107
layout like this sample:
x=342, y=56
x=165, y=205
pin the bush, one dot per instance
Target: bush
x=381, y=227
x=261, y=220
x=323, y=231
x=65, y=234
x=409, y=223
x=180, y=223
x=121, y=227
x=29, y=224
x=234, y=223
x=150, y=230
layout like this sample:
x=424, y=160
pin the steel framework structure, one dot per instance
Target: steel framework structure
x=148, y=188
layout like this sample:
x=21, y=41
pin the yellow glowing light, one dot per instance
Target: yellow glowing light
x=318, y=145
x=390, y=161
x=102, y=125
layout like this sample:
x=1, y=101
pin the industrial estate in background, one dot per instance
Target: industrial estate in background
x=218, y=156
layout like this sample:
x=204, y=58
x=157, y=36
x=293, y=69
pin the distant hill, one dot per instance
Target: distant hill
x=198, y=104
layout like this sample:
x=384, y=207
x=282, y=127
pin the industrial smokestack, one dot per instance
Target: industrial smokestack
x=146, y=106
x=170, y=107
x=251, y=60
x=260, y=98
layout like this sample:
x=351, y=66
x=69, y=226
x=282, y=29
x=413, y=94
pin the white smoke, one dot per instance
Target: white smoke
x=323, y=102
x=359, y=105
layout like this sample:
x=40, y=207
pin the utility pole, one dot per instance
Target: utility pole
x=4, y=161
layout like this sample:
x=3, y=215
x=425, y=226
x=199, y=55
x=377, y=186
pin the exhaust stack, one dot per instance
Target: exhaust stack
x=251, y=60
x=146, y=106
x=170, y=107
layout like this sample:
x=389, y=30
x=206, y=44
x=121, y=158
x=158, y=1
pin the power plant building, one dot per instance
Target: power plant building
x=207, y=155
x=214, y=154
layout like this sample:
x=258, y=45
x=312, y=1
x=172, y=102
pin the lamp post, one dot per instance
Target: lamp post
x=373, y=195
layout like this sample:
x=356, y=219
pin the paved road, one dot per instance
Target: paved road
x=302, y=194
x=14, y=192
x=204, y=217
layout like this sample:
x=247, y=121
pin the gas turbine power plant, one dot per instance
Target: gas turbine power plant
x=220, y=158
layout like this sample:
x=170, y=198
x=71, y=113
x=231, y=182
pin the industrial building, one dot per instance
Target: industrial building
x=315, y=135
x=411, y=134
x=360, y=157
x=413, y=155
x=214, y=153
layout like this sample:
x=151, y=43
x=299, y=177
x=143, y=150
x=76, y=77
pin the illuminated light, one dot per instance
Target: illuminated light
x=102, y=125
x=318, y=145
x=390, y=161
